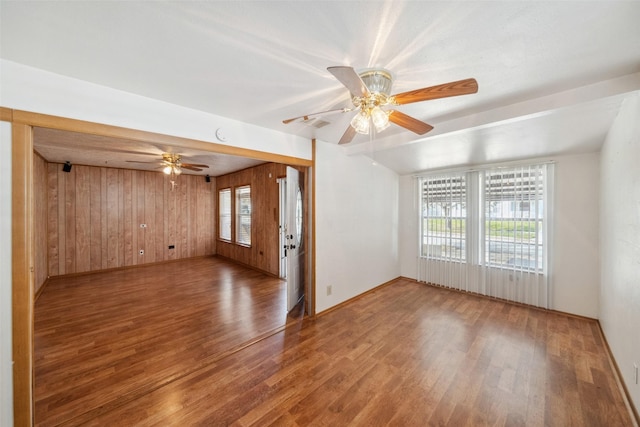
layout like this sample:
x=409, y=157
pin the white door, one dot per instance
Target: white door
x=282, y=226
x=295, y=244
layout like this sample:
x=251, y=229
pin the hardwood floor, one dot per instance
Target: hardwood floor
x=405, y=354
x=106, y=338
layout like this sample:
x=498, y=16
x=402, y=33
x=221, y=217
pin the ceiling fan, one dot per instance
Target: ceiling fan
x=172, y=164
x=371, y=89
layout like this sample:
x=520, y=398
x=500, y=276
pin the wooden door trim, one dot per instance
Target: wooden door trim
x=81, y=126
x=22, y=265
x=6, y=114
x=311, y=233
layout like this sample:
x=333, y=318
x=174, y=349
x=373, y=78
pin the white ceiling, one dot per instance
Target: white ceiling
x=551, y=75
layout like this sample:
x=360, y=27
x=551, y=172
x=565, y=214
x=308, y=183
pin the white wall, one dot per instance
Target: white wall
x=409, y=227
x=575, y=282
x=575, y=279
x=356, y=225
x=6, y=364
x=30, y=89
x=620, y=241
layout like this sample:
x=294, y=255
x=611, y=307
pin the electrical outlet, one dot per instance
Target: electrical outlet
x=329, y=289
x=635, y=372
x=141, y=251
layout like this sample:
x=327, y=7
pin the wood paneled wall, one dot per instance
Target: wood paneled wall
x=40, y=218
x=94, y=216
x=264, y=251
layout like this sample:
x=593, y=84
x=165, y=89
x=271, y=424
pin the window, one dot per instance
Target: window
x=224, y=197
x=514, y=216
x=243, y=215
x=444, y=212
x=503, y=229
x=488, y=232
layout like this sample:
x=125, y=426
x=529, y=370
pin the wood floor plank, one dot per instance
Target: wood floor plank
x=101, y=338
x=405, y=354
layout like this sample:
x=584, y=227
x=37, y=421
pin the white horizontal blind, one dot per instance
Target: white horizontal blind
x=224, y=214
x=488, y=232
x=514, y=207
x=243, y=215
x=443, y=230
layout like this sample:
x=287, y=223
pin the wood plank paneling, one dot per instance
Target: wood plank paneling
x=182, y=222
x=52, y=219
x=40, y=186
x=94, y=216
x=158, y=244
x=128, y=217
x=150, y=217
x=264, y=251
x=96, y=219
x=120, y=246
x=62, y=248
x=83, y=218
x=70, y=223
x=140, y=217
x=112, y=218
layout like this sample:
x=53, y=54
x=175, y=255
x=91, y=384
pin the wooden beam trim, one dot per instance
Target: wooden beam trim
x=22, y=272
x=6, y=114
x=81, y=126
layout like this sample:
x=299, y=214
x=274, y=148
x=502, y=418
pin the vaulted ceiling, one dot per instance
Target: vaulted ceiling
x=551, y=75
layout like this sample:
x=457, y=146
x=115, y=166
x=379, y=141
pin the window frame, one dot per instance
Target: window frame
x=221, y=215
x=515, y=219
x=439, y=227
x=242, y=219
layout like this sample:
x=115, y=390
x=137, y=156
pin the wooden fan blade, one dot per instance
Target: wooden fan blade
x=350, y=79
x=348, y=135
x=187, y=165
x=408, y=122
x=322, y=113
x=460, y=87
x=191, y=168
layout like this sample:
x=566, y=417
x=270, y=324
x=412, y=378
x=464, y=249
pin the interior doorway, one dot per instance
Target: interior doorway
x=23, y=220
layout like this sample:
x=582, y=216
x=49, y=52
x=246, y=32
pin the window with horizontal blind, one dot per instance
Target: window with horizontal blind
x=444, y=217
x=509, y=221
x=488, y=231
x=514, y=217
x=224, y=214
x=243, y=215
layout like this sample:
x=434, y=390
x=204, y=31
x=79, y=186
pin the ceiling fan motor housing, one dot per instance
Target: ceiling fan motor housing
x=377, y=80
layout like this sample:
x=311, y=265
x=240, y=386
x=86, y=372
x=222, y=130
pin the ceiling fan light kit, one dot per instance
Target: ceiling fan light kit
x=379, y=118
x=360, y=123
x=175, y=170
x=371, y=89
x=173, y=165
